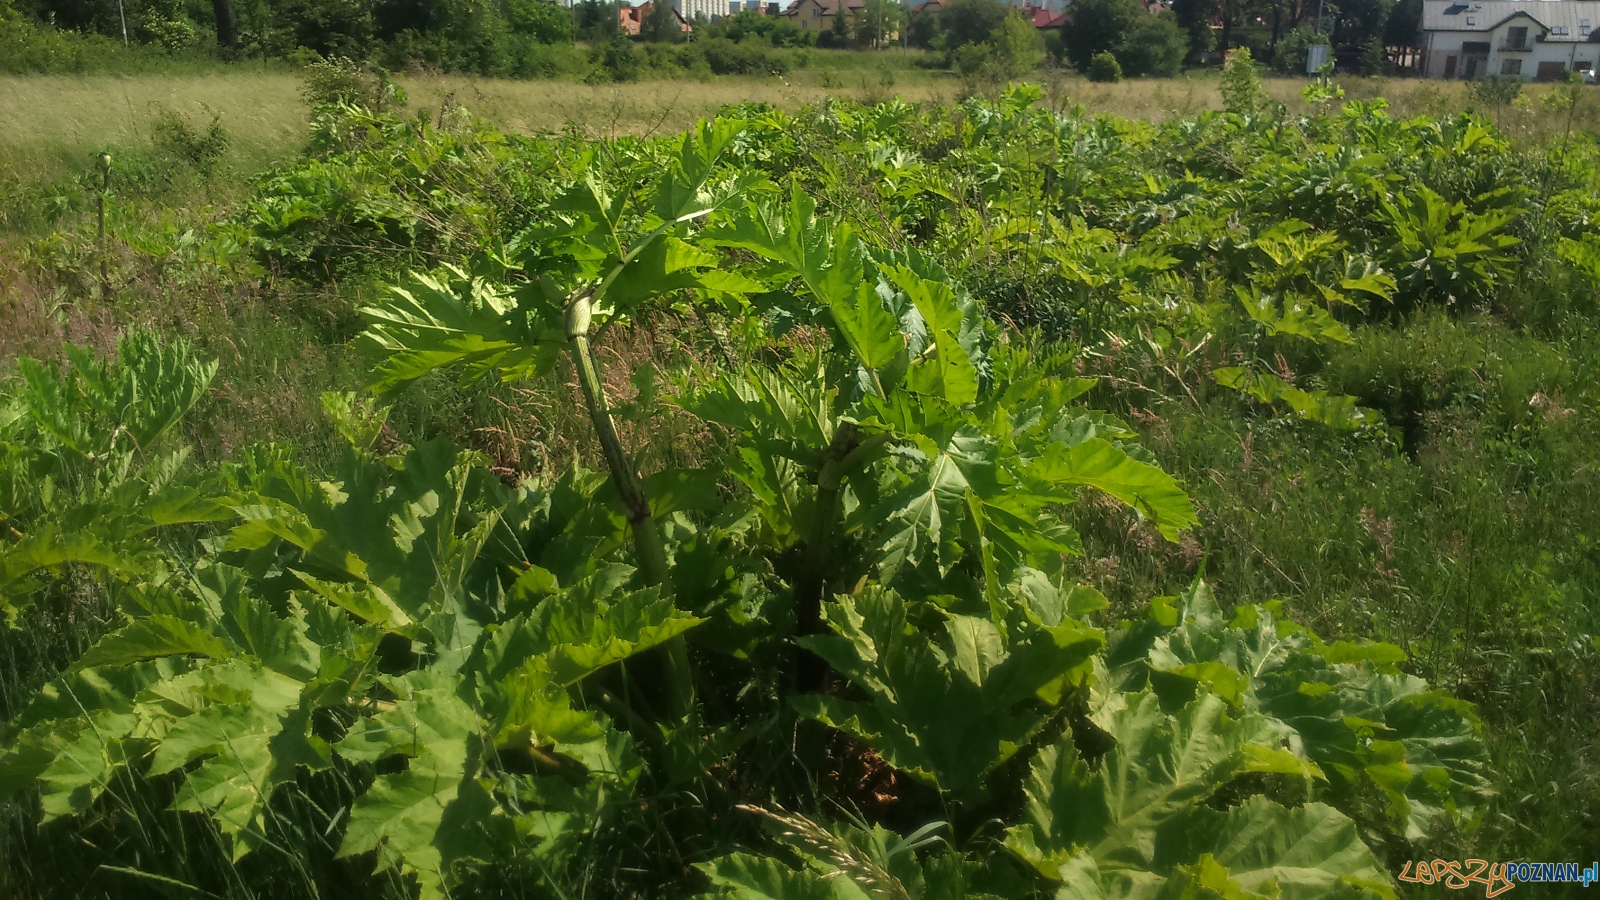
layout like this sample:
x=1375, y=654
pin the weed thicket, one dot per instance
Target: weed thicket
x=1450, y=507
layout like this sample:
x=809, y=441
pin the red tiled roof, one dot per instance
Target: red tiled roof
x=1044, y=18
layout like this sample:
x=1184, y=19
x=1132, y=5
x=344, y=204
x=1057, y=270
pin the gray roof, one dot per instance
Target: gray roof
x=1549, y=15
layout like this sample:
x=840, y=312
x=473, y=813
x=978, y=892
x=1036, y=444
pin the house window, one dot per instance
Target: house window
x=1449, y=67
x=1472, y=20
x=1511, y=67
x=1583, y=31
x=1516, y=38
x=1582, y=65
x=1559, y=29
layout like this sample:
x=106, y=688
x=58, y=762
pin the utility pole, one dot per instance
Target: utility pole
x=121, y=14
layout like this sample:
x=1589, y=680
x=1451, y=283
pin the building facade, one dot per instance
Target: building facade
x=818, y=15
x=710, y=9
x=1536, y=40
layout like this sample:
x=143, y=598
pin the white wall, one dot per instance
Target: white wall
x=708, y=8
x=1443, y=44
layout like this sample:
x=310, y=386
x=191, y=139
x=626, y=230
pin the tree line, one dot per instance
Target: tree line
x=1140, y=41
x=515, y=37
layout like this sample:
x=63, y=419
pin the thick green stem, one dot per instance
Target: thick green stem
x=646, y=536
x=648, y=545
x=813, y=580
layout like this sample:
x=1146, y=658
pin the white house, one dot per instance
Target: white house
x=1530, y=39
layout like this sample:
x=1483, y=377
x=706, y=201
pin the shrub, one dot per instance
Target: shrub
x=661, y=24
x=202, y=150
x=1104, y=68
x=533, y=60
x=339, y=81
x=617, y=59
x=1497, y=91
x=750, y=58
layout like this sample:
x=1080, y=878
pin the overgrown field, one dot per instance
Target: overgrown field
x=980, y=498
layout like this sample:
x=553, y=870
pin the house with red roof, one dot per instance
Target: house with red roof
x=632, y=18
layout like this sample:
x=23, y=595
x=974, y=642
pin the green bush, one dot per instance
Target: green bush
x=1294, y=48
x=1104, y=68
x=747, y=58
x=779, y=32
x=200, y=149
x=618, y=59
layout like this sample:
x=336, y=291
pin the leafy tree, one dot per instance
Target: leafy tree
x=1231, y=13
x=1373, y=58
x=877, y=21
x=1156, y=46
x=596, y=20
x=330, y=27
x=1359, y=21
x=963, y=22
x=1404, y=25
x=838, y=33
x=1195, y=17
x=544, y=21
x=1018, y=48
x=1099, y=26
x=661, y=24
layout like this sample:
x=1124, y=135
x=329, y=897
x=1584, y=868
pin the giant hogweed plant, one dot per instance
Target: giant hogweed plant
x=88, y=472
x=485, y=658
